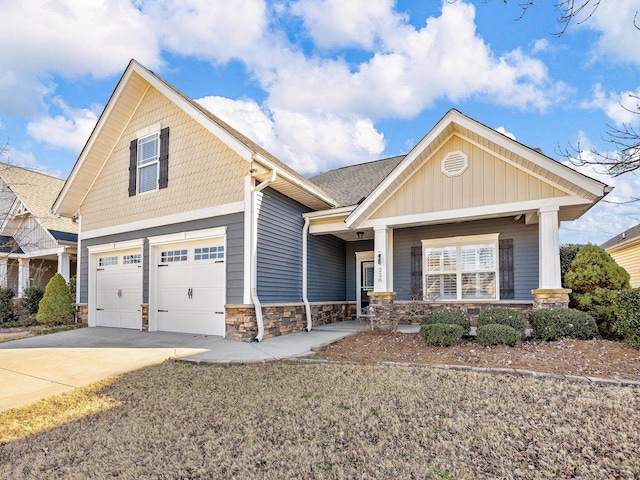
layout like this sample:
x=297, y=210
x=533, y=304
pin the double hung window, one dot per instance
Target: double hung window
x=148, y=156
x=461, y=268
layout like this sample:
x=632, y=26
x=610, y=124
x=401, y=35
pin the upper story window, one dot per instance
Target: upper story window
x=149, y=162
x=148, y=156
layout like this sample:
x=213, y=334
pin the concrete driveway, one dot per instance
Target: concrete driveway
x=37, y=367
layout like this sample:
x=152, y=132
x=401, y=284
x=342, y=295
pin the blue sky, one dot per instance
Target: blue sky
x=327, y=83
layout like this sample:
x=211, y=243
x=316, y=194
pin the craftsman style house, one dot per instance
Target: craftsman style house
x=186, y=225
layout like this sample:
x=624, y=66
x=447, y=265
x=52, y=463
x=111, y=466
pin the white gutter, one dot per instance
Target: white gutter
x=254, y=253
x=305, y=236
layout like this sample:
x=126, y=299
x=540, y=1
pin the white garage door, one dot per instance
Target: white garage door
x=119, y=289
x=191, y=287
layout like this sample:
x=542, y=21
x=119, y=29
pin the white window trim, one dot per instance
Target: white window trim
x=155, y=162
x=458, y=242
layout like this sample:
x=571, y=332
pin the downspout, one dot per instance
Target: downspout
x=254, y=253
x=305, y=299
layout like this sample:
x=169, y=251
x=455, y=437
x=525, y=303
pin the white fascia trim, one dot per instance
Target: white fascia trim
x=113, y=246
x=336, y=226
x=209, y=212
x=334, y=212
x=292, y=179
x=188, y=236
x=476, y=213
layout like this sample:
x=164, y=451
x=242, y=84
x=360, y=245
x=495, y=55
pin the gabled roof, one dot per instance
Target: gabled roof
x=9, y=245
x=456, y=123
x=628, y=236
x=37, y=192
x=129, y=91
x=349, y=185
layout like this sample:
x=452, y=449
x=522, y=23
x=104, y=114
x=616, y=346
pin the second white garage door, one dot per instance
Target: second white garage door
x=190, y=294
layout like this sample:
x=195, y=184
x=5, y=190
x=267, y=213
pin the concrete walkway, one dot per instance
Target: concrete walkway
x=36, y=367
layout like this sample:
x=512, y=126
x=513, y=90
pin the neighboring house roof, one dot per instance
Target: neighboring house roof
x=350, y=185
x=131, y=88
x=37, y=192
x=9, y=245
x=64, y=236
x=625, y=237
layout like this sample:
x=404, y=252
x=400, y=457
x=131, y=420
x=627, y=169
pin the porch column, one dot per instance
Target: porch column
x=4, y=271
x=383, y=259
x=23, y=276
x=550, y=293
x=549, y=245
x=64, y=266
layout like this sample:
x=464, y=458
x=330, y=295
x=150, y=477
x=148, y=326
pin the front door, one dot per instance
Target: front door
x=365, y=274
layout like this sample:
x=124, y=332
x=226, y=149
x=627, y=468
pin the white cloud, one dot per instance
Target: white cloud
x=70, y=130
x=504, y=131
x=619, y=36
x=69, y=39
x=28, y=160
x=620, y=107
x=207, y=29
x=308, y=143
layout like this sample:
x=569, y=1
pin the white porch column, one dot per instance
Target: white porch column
x=4, y=271
x=549, y=245
x=383, y=259
x=64, y=266
x=23, y=276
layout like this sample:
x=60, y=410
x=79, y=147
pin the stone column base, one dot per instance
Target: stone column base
x=550, y=298
x=82, y=313
x=382, y=309
x=144, y=309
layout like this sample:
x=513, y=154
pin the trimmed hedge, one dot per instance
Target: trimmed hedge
x=497, y=334
x=504, y=316
x=627, y=310
x=555, y=323
x=56, y=306
x=453, y=317
x=441, y=334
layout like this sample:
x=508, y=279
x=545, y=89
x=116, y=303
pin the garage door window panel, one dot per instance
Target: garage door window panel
x=107, y=261
x=209, y=253
x=172, y=256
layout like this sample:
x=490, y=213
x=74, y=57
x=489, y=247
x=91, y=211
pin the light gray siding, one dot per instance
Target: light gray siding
x=525, y=250
x=351, y=249
x=235, y=252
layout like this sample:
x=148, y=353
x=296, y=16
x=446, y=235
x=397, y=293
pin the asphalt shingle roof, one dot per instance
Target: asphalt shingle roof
x=349, y=185
x=625, y=236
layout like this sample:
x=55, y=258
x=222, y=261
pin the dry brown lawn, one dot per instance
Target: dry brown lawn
x=325, y=421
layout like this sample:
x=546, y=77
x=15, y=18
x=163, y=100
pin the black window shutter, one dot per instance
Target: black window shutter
x=133, y=166
x=416, y=272
x=163, y=178
x=507, y=291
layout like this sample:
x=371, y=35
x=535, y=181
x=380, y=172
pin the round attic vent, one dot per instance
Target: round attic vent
x=455, y=163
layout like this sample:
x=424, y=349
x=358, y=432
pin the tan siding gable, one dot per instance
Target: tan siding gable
x=489, y=180
x=629, y=259
x=203, y=171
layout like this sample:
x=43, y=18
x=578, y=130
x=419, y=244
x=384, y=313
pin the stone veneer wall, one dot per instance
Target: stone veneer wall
x=145, y=316
x=282, y=319
x=82, y=313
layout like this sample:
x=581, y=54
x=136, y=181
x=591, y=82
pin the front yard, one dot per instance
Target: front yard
x=298, y=420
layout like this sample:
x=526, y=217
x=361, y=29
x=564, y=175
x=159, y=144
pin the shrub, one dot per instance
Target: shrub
x=504, y=316
x=496, y=334
x=31, y=299
x=442, y=334
x=568, y=252
x=7, y=313
x=627, y=310
x=595, y=279
x=556, y=323
x=453, y=317
x=56, y=306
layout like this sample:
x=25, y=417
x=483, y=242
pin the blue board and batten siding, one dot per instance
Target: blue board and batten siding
x=280, y=226
x=234, y=253
x=525, y=250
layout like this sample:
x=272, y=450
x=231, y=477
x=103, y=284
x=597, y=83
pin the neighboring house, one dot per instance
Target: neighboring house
x=625, y=250
x=190, y=226
x=34, y=243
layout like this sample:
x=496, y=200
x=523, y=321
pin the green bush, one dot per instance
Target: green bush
x=627, y=310
x=568, y=252
x=442, y=334
x=595, y=279
x=453, y=317
x=496, y=334
x=555, y=323
x=56, y=306
x=31, y=299
x=7, y=312
x=504, y=316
